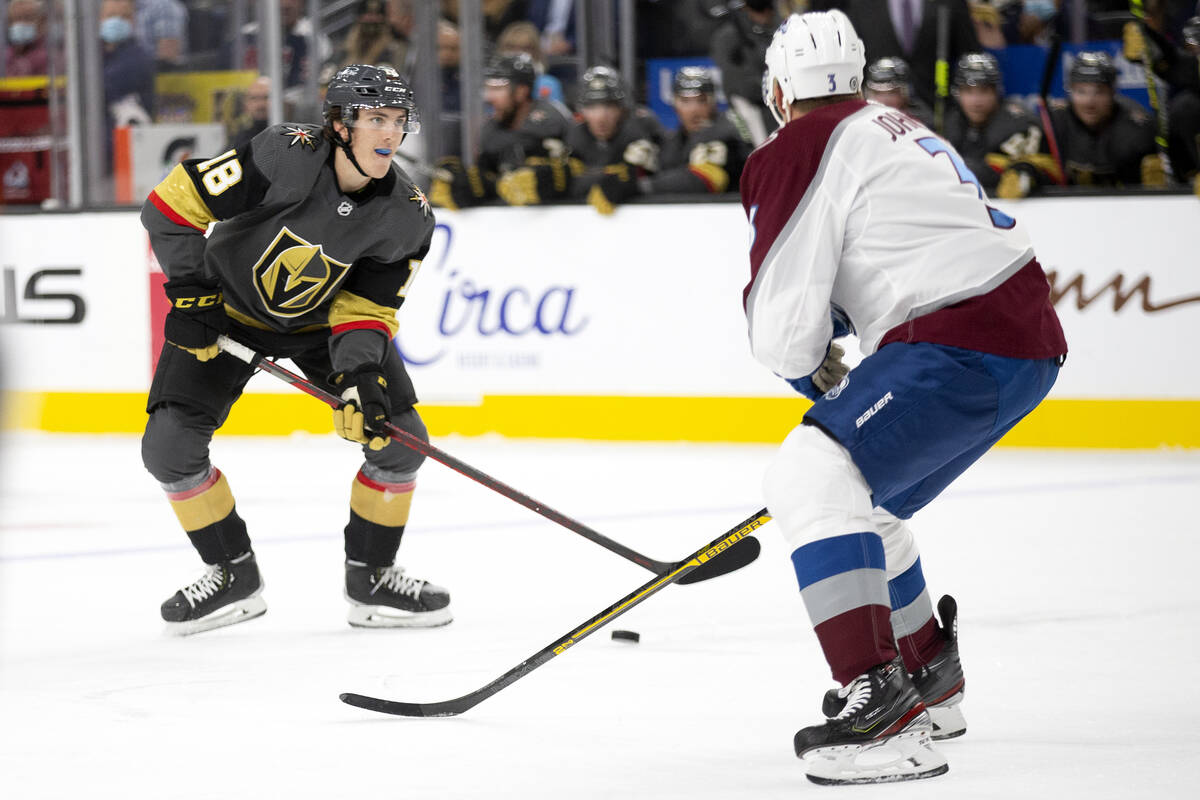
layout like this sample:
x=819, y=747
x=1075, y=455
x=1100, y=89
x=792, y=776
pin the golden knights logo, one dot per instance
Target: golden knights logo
x=293, y=276
x=301, y=136
x=421, y=200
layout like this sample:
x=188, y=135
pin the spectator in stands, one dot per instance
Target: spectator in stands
x=556, y=20
x=886, y=81
x=522, y=156
x=1002, y=143
x=27, y=52
x=448, y=45
x=908, y=29
x=295, y=55
x=615, y=146
x=497, y=14
x=739, y=48
x=370, y=40
x=1180, y=69
x=1103, y=139
x=708, y=151
x=128, y=67
x=523, y=37
x=401, y=20
x=162, y=30
x=256, y=103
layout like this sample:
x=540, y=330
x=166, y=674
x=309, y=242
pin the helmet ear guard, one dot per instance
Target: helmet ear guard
x=811, y=56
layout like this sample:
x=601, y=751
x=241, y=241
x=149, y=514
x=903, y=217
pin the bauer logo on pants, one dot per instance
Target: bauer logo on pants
x=294, y=276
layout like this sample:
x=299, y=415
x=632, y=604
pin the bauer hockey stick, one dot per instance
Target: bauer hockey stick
x=739, y=557
x=448, y=708
x=1048, y=71
x=1157, y=103
x=941, y=69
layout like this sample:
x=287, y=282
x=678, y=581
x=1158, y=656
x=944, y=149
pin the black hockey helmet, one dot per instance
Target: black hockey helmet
x=1191, y=32
x=693, y=82
x=977, y=69
x=1094, y=66
x=516, y=70
x=887, y=74
x=601, y=84
x=361, y=86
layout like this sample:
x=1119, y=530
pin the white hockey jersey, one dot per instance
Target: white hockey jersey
x=861, y=210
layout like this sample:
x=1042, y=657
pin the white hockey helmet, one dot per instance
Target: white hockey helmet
x=817, y=54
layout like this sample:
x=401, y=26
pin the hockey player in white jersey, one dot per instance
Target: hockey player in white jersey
x=864, y=221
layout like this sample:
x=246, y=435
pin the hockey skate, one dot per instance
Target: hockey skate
x=940, y=682
x=227, y=593
x=384, y=597
x=881, y=735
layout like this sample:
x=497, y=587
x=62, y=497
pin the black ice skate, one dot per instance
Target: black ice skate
x=940, y=682
x=227, y=593
x=881, y=735
x=384, y=597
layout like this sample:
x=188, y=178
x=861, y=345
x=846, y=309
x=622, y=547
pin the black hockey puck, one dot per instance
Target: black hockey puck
x=627, y=636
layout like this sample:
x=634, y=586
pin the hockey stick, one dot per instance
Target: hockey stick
x=941, y=69
x=1138, y=10
x=742, y=556
x=448, y=708
x=1048, y=70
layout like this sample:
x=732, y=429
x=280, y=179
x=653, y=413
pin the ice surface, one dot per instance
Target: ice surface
x=1075, y=575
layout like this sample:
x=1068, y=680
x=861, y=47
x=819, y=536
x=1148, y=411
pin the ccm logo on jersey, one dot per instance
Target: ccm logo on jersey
x=873, y=410
x=201, y=301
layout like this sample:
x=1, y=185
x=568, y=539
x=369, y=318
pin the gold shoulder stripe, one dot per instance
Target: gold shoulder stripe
x=179, y=193
x=348, y=309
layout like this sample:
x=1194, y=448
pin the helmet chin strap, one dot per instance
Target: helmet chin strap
x=345, y=145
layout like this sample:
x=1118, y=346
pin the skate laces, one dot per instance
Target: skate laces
x=205, y=586
x=856, y=694
x=394, y=579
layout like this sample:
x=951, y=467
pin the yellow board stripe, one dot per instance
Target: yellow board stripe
x=1057, y=423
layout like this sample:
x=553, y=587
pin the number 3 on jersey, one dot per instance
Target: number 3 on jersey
x=934, y=145
x=226, y=172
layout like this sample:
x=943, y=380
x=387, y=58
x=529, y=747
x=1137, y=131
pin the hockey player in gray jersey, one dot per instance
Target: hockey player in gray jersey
x=615, y=146
x=522, y=157
x=318, y=237
x=708, y=151
x=1002, y=143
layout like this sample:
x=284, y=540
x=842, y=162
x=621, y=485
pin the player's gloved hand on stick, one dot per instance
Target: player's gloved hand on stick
x=367, y=408
x=832, y=370
x=197, y=316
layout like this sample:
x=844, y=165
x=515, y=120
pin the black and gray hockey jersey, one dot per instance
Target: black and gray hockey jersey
x=635, y=145
x=541, y=135
x=1111, y=156
x=1010, y=136
x=292, y=251
x=709, y=160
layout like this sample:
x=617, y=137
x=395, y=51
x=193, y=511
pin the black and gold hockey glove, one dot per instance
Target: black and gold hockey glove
x=615, y=186
x=519, y=187
x=1015, y=182
x=197, y=316
x=367, y=408
x=455, y=186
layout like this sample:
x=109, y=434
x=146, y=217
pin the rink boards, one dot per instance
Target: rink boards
x=557, y=322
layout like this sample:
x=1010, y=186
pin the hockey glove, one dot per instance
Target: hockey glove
x=519, y=187
x=828, y=375
x=1133, y=42
x=615, y=186
x=197, y=316
x=1015, y=183
x=367, y=408
x=1154, y=174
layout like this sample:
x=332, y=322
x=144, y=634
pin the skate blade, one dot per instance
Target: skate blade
x=241, y=611
x=906, y=756
x=948, y=721
x=388, y=617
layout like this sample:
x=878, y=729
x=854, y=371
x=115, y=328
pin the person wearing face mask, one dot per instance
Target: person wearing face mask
x=371, y=41
x=128, y=67
x=26, y=53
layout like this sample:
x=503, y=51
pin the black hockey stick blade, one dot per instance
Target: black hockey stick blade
x=716, y=550
x=741, y=553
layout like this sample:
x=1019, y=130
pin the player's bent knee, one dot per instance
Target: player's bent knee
x=175, y=443
x=396, y=458
x=814, y=490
